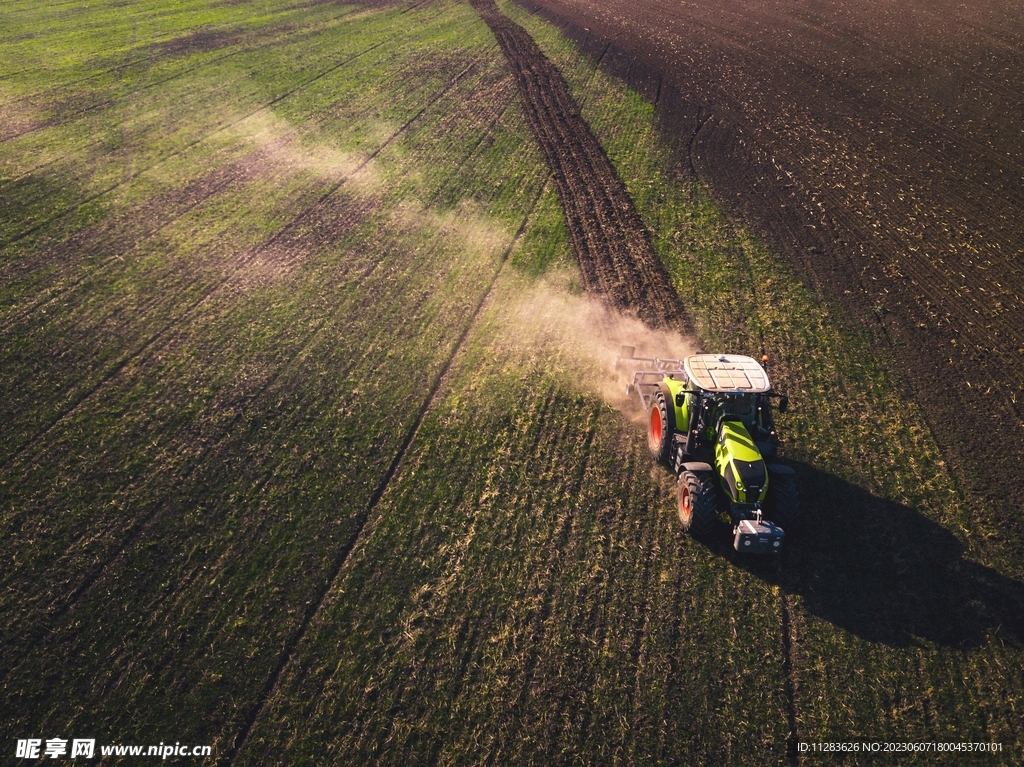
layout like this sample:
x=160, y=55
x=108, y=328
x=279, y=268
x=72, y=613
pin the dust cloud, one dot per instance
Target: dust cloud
x=466, y=227
x=585, y=336
x=287, y=152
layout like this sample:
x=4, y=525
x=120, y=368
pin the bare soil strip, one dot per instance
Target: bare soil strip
x=608, y=237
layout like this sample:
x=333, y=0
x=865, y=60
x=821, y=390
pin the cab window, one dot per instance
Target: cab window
x=739, y=405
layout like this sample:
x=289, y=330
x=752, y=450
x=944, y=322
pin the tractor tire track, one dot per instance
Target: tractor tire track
x=608, y=238
x=314, y=604
x=789, y=680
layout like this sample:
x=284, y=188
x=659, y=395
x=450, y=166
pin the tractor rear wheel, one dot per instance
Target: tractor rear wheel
x=783, y=500
x=659, y=429
x=696, y=502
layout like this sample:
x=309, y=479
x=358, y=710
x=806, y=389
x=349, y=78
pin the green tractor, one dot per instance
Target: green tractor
x=709, y=420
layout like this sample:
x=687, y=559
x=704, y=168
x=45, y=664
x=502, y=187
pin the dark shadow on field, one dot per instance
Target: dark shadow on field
x=881, y=570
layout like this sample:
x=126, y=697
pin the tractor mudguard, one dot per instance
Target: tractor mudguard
x=670, y=387
x=695, y=466
x=778, y=468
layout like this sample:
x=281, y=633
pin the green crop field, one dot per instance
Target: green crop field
x=312, y=452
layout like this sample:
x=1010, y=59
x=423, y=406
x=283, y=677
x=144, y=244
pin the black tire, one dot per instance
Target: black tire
x=696, y=502
x=660, y=429
x=783, y=500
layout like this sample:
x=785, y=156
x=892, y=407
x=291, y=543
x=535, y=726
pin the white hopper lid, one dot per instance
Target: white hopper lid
x=727, y=373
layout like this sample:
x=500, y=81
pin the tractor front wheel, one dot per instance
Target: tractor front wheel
x=659, y=429
x=696, y=503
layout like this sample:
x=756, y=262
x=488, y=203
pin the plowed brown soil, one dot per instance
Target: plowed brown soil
x=607, y=235
x=878, y=145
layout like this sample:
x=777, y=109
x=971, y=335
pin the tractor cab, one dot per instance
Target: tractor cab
x=726, y=388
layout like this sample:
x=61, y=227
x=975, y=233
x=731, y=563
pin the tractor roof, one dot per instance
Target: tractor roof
x=726, y=373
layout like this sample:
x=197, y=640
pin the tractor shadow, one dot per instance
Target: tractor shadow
x=881, y=570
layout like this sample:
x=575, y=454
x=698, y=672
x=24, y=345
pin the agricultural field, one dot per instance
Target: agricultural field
x=312, y=448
